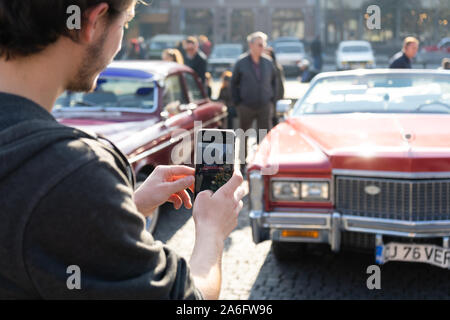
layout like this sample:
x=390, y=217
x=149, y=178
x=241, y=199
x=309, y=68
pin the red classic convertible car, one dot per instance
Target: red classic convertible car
x=146, y=109
x=363, y=162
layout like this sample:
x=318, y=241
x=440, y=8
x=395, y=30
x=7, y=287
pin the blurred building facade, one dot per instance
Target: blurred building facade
x=333, y=20
x=229, y=20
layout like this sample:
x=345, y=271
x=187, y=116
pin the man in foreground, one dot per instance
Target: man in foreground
x=66, y=197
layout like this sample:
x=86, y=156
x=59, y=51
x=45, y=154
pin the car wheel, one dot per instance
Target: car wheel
x=288, y=251
x=152, y=221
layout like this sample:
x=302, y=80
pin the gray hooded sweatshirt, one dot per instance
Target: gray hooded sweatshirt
x=66, y=209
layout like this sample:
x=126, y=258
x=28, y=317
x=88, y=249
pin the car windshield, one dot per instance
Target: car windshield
x=355, y=49
x=290, y=49
x=113, y=93
x=226, y=52
x=378, y=93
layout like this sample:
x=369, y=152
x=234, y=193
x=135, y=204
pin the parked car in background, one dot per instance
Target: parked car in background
x=161, y=42
x=223, y=58
x=442, y=46
x=146, y=109
x=362, y=162
x=273, y=42
x=434, y=54
x=289, y=54
x=354, y=55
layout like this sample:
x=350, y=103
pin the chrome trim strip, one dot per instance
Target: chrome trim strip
x=172, y=140
x=333, y=224
x=398, y=227
x=296, y=220
x=392, y=174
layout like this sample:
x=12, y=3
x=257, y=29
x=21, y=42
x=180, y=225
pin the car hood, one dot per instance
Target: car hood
x=359, y=142
x=128, y=134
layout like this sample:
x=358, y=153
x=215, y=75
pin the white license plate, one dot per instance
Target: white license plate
x=430, y=254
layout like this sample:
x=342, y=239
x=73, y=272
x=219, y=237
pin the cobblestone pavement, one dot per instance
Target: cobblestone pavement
x=251, y=272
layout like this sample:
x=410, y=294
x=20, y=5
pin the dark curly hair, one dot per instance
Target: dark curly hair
x=29, y=26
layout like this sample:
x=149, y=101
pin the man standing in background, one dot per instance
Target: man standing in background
x=254, y=85
x=402, y=60
x=194, y=58
x=205, y=45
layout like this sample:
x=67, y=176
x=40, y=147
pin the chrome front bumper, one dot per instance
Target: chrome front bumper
x=330, y=225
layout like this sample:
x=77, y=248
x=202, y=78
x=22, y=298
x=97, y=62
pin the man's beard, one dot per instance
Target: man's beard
x=93, y=63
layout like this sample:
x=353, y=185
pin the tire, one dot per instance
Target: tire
x=151, y=223
x=288, y=251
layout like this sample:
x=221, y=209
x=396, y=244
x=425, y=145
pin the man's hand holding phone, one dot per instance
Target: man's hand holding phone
x=165, y=184
x=216, y=214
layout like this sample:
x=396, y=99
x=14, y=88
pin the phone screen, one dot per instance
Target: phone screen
x=214, y=159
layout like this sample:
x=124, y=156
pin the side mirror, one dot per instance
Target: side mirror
x=283, y=106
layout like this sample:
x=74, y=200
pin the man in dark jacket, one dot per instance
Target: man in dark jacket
x=254, y=86
x=195, y=58
x=72, y=227
x=402, y=60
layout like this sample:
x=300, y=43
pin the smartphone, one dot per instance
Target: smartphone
x=214, y=159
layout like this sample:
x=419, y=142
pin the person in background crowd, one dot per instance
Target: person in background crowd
x=194, y=58
x=173, y=55
x=280, y=81
x=135, y=49
x=208, y=79
x=445, y=65
x=316, y=51
x=180, y=47
x=205, y=45
x=254, y=86
x=306, y=74
x=402, y=59
x=226, y=97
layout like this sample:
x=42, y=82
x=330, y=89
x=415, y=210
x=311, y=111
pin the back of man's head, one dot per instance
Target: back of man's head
x=28, y=27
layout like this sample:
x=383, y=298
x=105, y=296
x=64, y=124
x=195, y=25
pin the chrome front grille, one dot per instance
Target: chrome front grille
x=399, y=199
